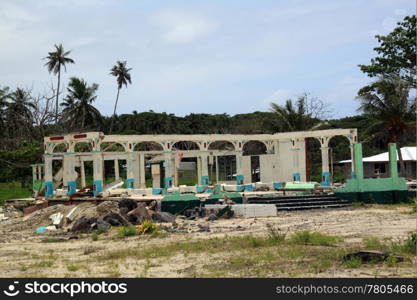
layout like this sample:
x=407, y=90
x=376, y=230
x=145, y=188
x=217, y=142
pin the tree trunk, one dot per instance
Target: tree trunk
x=114, y=112
x=401, y=161
x=83, y=121
x=57, y=94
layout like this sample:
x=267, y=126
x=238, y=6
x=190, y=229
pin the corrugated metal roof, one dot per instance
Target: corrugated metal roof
x=409, y=153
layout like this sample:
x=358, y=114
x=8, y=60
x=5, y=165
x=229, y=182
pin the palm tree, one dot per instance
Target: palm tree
x=4, y=95
x=55, y=61
x=121, y=72
x=389, y=110
x=78, y=108
x=292, y=117
x=19, y=113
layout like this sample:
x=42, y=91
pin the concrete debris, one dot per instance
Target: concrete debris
x=107, y=207
x=83, y=224
x=57, y=219
x=163, y=217
x=116, y=219
x=129, y=203
x=114, y=185
x=372, y=256
x=72, y=214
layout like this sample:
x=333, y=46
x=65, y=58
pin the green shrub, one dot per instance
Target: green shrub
x=275, y=234
x=314, y=238
x=128, y=231
x=147, y=227
x=407, y=246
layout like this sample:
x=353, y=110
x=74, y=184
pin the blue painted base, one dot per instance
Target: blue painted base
x=204, y=180
x=353, y=175
x=72, y=187
x=97, y=187
x=240, y=179
x=157, y=191
x=168, y=181
x=278, y=185
x=130, y=183
x=296, y=177
x=325, y=179
x=200, y=188
x=49, y=191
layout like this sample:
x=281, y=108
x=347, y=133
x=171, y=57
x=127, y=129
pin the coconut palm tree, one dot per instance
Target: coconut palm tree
x=19, y=114
x=389, y=109
x=55, y=61
x=121, y=72
x=4, y=95
x=78, y=108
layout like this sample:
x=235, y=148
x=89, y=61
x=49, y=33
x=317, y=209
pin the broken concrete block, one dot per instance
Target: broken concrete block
x=73, y=213
x=57, y=219
x=163, y=217
x=83, y=224
x=248, y=210
x=107, y=207
x=116, y=219
x=129, y=203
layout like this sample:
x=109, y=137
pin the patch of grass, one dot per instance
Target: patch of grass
x=128, y=231
x=53, y=240
x=407, y=246
x=275, y=233
x=353, y=263
x=374, y=243
x=358, y=204
x=12, y=190
x=314, y=238
x=73, y=268
x=42, y=264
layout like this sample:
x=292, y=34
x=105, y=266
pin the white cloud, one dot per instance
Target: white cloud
x=278, y=97
x=182, y=27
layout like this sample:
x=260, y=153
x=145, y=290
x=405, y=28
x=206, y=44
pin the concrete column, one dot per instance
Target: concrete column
x=240, y=178
x=116, y=170
x=352, y=157
x=393, y=161
x=217, y=169
x=198, y=170
x=142, y=170
x=204, y=169
x=48, y=177
x=130, y=176
x=82, y=170
x=325, y=166
x=98, y=172
x=295, y=150
x=69, y=175
x=169, y=171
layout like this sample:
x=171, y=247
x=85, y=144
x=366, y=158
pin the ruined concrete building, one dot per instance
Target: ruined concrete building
x=271, y=158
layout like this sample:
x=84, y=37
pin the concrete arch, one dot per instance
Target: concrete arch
x=254, y=147
x=185, y=146
x=83, y=147
x=221, y=145
x=112, y=147
x=61, y=147
x=148, y=146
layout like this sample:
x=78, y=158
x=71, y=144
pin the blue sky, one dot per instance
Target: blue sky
x=200, y=56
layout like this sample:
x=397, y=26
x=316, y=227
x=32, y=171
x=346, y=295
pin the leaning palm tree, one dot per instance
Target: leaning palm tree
x=78, y=108
x=4, y=96
x=389, y=109
x=121, y=72
x=55, y=61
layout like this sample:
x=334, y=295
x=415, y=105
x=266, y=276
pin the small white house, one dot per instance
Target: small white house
x=377, y=166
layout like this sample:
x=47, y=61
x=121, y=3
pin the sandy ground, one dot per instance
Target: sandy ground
x=22, y=252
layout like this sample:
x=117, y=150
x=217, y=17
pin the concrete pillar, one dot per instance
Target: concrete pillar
x=98, y=172
x=240, y=178
x=130, y=171
x=393, y=161
x=325, y=166
x=69, y=175
x=204, y=169
x=169, y=171
x=49, y=184
x=116, y=170
x=142, y=170
x=352, y=166
x=217, y=169
x=199, y=170
x=295, y=150
x=82, y=170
